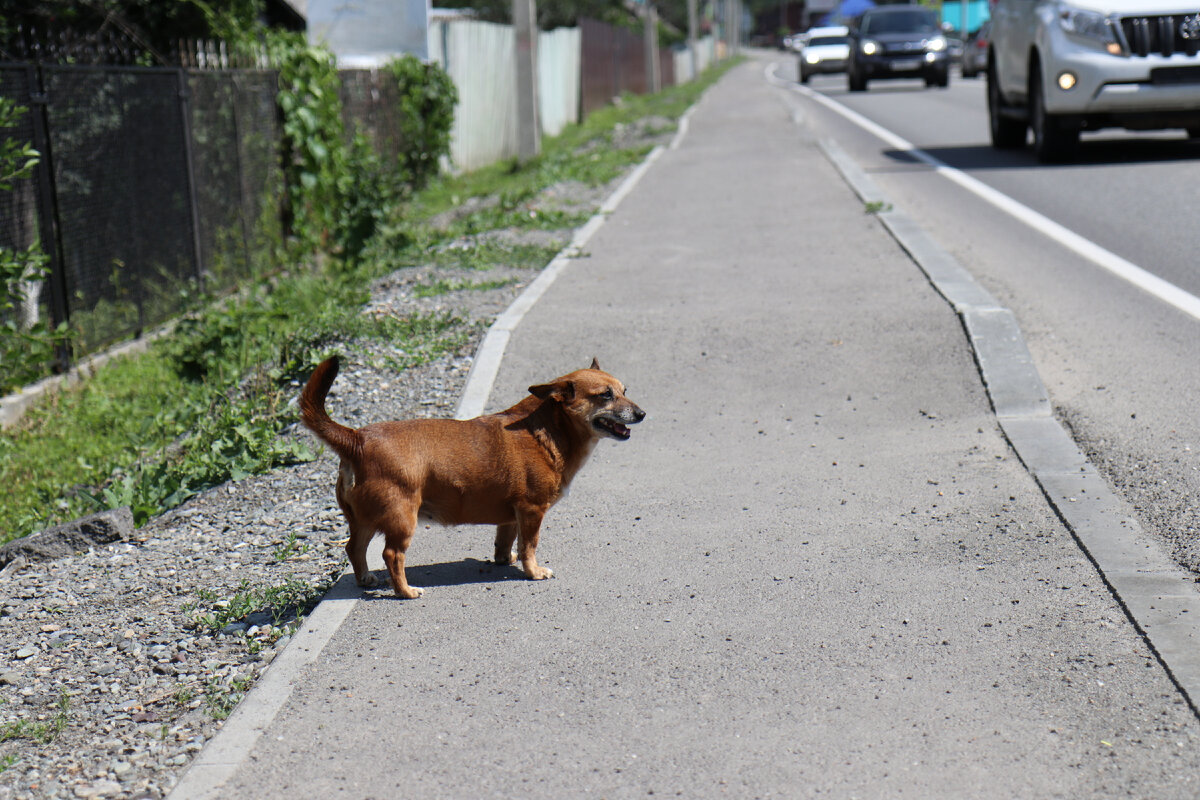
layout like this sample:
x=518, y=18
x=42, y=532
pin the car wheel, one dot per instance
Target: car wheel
x=857, y=82
x=804, y=76
x=1052, y=140
x=1007, y=133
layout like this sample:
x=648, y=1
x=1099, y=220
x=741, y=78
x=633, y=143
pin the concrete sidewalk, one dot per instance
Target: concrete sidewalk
x=817, y=568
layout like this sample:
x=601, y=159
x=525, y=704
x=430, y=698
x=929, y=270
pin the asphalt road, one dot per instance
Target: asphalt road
x=1119, y=364
x=1131, y=193
x=816, y=569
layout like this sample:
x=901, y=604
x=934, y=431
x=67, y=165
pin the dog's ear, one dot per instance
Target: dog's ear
x=595, y=363
x=562, y=391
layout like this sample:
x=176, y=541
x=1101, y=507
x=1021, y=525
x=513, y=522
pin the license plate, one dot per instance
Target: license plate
x=906, y=64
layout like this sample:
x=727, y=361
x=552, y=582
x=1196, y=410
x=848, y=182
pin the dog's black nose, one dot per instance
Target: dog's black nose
x=638, y=414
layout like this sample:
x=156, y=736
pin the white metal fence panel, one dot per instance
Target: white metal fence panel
x=559, y=53
x=706, y=49
x=705, y=55
x=683, y=65
x=479, y=58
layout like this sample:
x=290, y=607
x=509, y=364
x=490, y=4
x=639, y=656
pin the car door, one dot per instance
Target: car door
x=1013, y=25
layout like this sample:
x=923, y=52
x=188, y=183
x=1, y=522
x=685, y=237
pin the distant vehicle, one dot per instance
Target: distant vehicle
x=898, y=41
x=975, y=52
x=954, y=44
x=824, y=52
x=1058, y=69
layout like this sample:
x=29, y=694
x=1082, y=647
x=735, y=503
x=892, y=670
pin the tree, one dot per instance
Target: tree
x=152, y=26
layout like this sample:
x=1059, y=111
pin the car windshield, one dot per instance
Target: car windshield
x=918, y=20
x=820, y=40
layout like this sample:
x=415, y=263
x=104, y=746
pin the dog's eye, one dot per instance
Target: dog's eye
x=607, y=394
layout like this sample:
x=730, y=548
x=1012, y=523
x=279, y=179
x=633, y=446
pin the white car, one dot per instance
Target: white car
x=825, y=51
x=1059, y=68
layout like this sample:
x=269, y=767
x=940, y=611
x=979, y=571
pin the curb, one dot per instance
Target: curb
x=231, y=746
x=1158, y=597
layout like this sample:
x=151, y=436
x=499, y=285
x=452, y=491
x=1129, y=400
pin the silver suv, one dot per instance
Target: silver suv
x=1060, y=67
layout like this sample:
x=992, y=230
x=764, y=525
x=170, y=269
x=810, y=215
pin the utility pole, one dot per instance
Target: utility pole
x=731, y=26
x=737, y=24
x=653, y=76
x=529, y=139
x=693, y=31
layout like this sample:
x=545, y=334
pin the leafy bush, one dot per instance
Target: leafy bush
x=339, y=193
x=427, y=100
x=314, y=152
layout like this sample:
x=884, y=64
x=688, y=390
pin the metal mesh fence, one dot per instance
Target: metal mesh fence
x=154, y=181
x=260, y=134
x=235, y=155
x=124, y=214
x=369, y=101
x=161, y=181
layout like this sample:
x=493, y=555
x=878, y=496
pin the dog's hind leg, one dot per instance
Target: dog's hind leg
x=360, y=536
x=506, y=535
x=529, y=524
x=398, y=529
x=356, y=551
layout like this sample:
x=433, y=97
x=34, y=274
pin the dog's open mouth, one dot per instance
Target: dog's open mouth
x=612, y=427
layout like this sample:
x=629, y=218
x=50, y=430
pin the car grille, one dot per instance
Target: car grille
x=899, y=48
x=1175, y=76
x=1165, y=35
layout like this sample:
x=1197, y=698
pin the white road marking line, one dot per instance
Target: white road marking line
x=1166, y=291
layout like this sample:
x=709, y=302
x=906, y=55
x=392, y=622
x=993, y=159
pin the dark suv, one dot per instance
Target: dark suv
x=898, y=42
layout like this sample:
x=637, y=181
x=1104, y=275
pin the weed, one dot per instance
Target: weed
x=220, y=699
x=291, y=547
x=39, y=732
x=445, y=287
x=878, y=207
x=487, y=254
x=287, y=601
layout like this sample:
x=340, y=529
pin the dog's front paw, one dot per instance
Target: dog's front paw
x=538, y=573
x=367, y=580
x=409, y=593
x=506, y=559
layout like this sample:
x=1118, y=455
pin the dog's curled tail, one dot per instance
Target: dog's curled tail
x=346, y=442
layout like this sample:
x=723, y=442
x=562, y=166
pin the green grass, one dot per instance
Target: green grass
x=445, y=287
x=220, y=699
x=487, y=255
x=288, y=601
x=207, y=403
x=561, y=159
x=38, y=732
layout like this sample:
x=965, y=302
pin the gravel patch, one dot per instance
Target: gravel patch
x=109, y=687
x=1150, y=481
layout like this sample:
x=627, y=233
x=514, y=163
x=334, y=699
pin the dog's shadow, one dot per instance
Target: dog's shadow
x=449, y=573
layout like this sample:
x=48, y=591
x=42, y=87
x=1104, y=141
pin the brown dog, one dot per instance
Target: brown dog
x=503, y=469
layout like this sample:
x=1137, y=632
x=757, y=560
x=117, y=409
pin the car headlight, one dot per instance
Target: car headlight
x=936, y=44
x=811, y=58
x=869, y=48
x=1089, y=26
